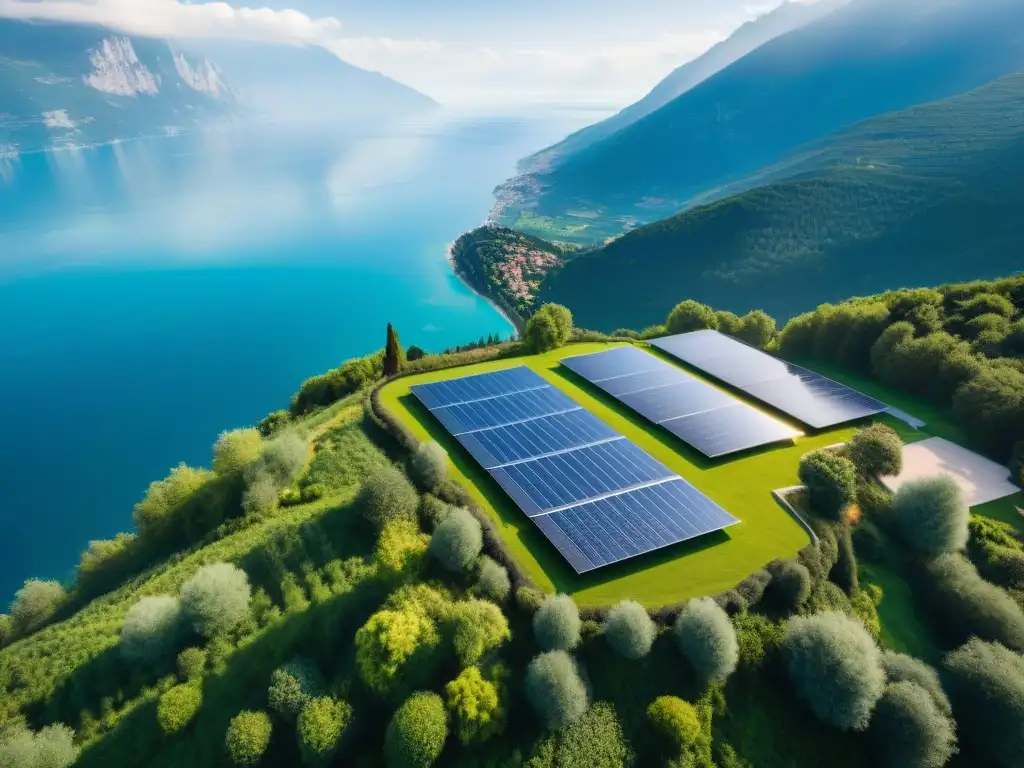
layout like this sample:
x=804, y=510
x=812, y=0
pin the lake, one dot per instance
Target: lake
x=154, y=293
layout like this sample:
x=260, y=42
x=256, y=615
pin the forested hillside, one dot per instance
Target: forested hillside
x=922, y=196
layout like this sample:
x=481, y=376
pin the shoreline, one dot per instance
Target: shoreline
x=505, y=314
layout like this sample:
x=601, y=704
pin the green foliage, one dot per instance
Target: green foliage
x=457, y=541
x=549, y=328
x=332, y=386
x=831, y=482
x=730, y=323
x=477, y=627
x=909, y=731
x=758, y=638
x=235, y=450
x=707, y=639
x=864, y=604
x=6, y=630
x=433, y=511
x=273, y=423
x=107, y=563
x=689, y=316
x=321, y=726
x=876, y=450
x=756, y=328
x=51, y=747
x=556, y=624
x=283, y=458
x=476, y=706
x=629, y=629
x=414, y=353
x=293, y=686
x=991, y=406
x=248, y=737
x=387, y=641
x=554, y=689
x=429, y=465
x=492, y=580
x=35, y=603
x=400, y=546
x=262, y=493
x=676, y=720
x=152, y=629
x=985, y=683
x=986, y=304
x=387, y=495
x=835, y=667
x=164, y=497
x=394, y=357
x=595, y=739
x=844, y=572
x=529, y=599
x=790, y=586
x=931, y=515
x=216, y=598
x=191, y=664
x=178, y=707
x=312, y=492
x=901, y=668
x=417, y=732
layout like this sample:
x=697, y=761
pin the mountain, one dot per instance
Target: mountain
x=753, y=34
x=867, y=58
x=925, y=195
x=63, y=84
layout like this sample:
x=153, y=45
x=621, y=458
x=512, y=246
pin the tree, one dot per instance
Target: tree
x=163, y=497
x=595, y=739
x=876, y=450
x=790, y=585
x=394, y=358
x=35, y=603
x=901, y=668
x=191, y=664
x=931, y=515
x=707, y=639
x=756, y=328
x=400, y=546
x=429, y=465
x=7, y=630
x=152, y=629
x=689, y=316
x=321, y=726
x=831, y=482
x=235, y=450
x=457, y=541
x=549, y=328
x=891, y=338
x=478, y=626
x=51, y=747
x=178, y=706
x=216, y=598
x=909, y=731
x=417, y=732
x=492, y=580
x=261, y=494
x=387, y=640
x=629, y=629
x=292, y=686
x=415, y=353
x=248, y=737
x=835, y=667
x=475, y=704
x=728, y=322
x=555, y=690
x=387, y=494
x=676, y=720
x=556, y=624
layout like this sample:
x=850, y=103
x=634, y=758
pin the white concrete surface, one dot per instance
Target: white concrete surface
x=980, y=479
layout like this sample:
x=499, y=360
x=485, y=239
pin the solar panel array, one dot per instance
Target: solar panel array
x=594, y=494
x=710, y=420
x=805, y=395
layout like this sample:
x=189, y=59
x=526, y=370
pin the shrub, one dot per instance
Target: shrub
x=835, y=667
x=152, y=629
x=492, y=580
x=414, y=353
x=387, y=495
x=320, y=727
x=312, y=492
x=629, y=629
x=757, y=638
x=790, y=586
x=178, y=706
x=987, y=304
x=985, y=682
x=235, y=450
x=400, y=546
x=876, y=450
x=248, y=737
x=429, y=465
x=676, y=720
x=329, y=387
x=931, y=515
x=689, y=316
x=261, y=494
x=653, y=332
x=844, y=572
x=901, y=668
x=908, y=730
x=163, y=497
x=756, y=328
x=273, y=423
x=831, y=482
x=529, y=599
x=433, y=511
x=475, y=705
x=387, y=640
x=284, y=457
x=417, y=732
x=478, y=626
x=555, y=690
x=595, y=739
x=556, y=624
x=6, y=630
x=457, y=541
x=549, y=328
x=728, y=322
x=708, y=640
x=216, y=598
x=191, y=664
x=35, y=603
x=292, y=686
x=752, y=588
x=51, y=747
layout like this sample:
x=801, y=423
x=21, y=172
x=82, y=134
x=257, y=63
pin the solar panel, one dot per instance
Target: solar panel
x=594, y=494
x=706, y=418
x=805, y=395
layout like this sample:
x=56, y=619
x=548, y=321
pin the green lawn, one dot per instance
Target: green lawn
x=1004, y=510
x=904, y=629
x=706, y=566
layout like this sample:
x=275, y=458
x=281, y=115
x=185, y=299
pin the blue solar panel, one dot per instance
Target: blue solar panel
x=666, y=403
x=610, y=363
x=727, y=430
x=477, y=387
x=638, y=382
x=505, y=409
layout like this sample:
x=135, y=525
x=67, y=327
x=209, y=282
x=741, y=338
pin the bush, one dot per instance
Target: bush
x=689, y=316
x=457, y=541
x=555, y=690
x=595, y=739
x=475, y=705
x=321, y=726
x=433, y=511
x=844, y=572
x=293, y=686
x=191, y=664
x=549, y=328
x=931, y=515
x=51, y=747
x=6, y=630
x=216, y=598
x=261, y=494
x=478, y=626
x=414, y=353
x=35, y=603
x=387, y=640
x=985, y=682
x=556, y=624
x=908, y=730
x=235, y=450
x=417, y=732
x=835, y=667
x=708, y=640
x=429, y=465
x=248, y=737
x=831, y=482
x=387, y=495
x=758, y=638
x=629, y=630
x=752, y=588
x=676, y=720
x=178, y=706
x=790, y=586
x=876, y=450
x=529, y=599
x=400, y=546
x=900, y=668
x=728, y=322
x=312, y=492
x=492, y=580
x=273, y=423
x=330, y=387
x=153, y=514
x=152, y=629
x=756, y=328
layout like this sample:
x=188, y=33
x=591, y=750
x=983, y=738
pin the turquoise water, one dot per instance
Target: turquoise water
x=154, y=293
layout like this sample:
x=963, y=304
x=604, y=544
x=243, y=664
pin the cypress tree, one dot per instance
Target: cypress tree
x=393, y=355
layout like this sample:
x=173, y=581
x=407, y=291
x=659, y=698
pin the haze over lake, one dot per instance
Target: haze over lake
x=156, y=292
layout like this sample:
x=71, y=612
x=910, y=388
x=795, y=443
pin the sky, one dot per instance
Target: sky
x=599, y=53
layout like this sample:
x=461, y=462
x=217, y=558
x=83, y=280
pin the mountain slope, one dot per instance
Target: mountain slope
x=867, y=58
x=926, y=195
x=753, y=34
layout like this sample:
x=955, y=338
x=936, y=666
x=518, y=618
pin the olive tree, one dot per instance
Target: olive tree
x=707, y=639
x=457, y=541
x=876, y=450
x=216, y=598
x=35, y=603
x=549, y=328
x=417, y=732
x=152, y=629
x=908, y=730
x=492, y=580
x=429, y=465
x=901, y=668
x=555, y=690
x=629, y=629
x=387, y=495
x=931, y=515
x=556, y=624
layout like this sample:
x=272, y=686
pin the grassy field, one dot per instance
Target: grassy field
x=708, y=565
